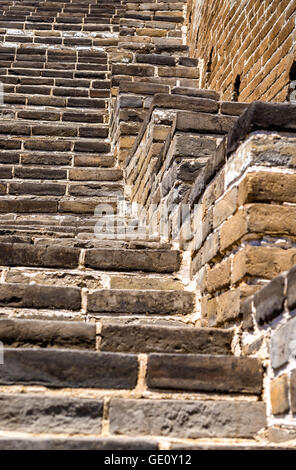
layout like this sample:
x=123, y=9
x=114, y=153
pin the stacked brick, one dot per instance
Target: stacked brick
x=152, y=58
x=176, y=154
x=270, y=324
x=254, y=40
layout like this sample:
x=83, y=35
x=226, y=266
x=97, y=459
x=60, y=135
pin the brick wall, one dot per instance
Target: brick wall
x=270, y=316
x=253, y=39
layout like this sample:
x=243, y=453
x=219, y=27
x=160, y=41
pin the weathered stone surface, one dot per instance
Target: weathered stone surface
x=205, y=373
x=269, y=301
x=232, y=108
x=50, y=414
x=161, y=261
x=128, y=301
x=142, y=88
x=266, y=186
x=187, y=419
x=210, y=94
x=64, y=368
x=27, y=205
x=283, y=344
x=186, y=102
x=203, y=122
x=262, y=116
x=280, y=434
x=46, y=334
x=34, y=296
x=162, y=339
x=77, y=444
x=151, y=283
x=193, y=146
x=21, y=254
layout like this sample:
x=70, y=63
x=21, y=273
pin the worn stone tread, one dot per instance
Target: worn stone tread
x=140, y=338
x=159, y=261
x=47, y=334
x=77, y=444
x=67, y=368
x=35, y=413
x=209, y=373
x=187, y=419
x=140, y=301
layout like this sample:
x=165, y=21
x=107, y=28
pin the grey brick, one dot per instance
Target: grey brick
x=50, y=414
x=269, y=301
x=205, y=373
x=187, y=419
x=66, y=368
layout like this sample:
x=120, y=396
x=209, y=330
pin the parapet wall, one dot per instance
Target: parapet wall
x=227, y=200
x=270, y=319
x=252, y=39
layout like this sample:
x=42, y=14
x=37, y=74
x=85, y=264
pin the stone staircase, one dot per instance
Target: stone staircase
x=100, y=350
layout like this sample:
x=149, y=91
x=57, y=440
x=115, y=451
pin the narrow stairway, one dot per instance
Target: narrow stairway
x=100, y=351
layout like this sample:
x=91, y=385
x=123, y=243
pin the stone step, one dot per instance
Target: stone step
x=52, y=91
x=53, y=110
x=56, y=72
x=103, y=443
x=73, y=174
x=52, y=101
x=66, y=368
x=99, y=302
x=67, y=160
x=140, y=302
x=63, y=368
x=157, y=261
x=115, y=336
x=40, y=297
x=58, y=144
x=47, y=334
x=101, y=185
x=87, y=279
x=57, y=256
x=54, y=129
x=15, y=23
x=49, y=205
x=58, y=83
x=187, y=419
x=137, y=337
x=206, y=373
x=50, y=414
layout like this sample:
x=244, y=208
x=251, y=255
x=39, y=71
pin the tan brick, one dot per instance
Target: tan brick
x=151, y=32
x=126, y=141
x=233, y=229
x=210, y=248
x=279, y=395
x=238, y=267
x=228, y=306
x=269, y=262
x=266, y=186
x=219, y=276
x=225, y=207
x=273, y=219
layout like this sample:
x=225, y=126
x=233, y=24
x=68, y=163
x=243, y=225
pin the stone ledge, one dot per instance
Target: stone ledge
x=262, y=116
